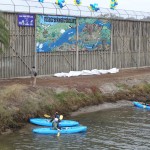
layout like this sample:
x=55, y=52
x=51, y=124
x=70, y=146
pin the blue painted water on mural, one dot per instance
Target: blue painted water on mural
x=65, y=38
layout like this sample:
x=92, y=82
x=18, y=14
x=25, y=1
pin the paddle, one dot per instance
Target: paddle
x=48, y=116
x=61, y=117
x=58, y=134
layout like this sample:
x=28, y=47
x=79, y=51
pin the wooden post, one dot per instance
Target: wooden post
x=139, y=60
x=35, y=53
x=77, y=50
x=111, y=45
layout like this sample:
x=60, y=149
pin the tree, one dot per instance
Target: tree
x=4, y=33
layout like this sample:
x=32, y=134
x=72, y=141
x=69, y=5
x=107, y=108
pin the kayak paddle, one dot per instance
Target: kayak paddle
x=58, y=134
x=61, y=117
x=47, y=116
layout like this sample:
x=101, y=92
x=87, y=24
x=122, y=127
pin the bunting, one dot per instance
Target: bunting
x=94, y=7
x=113, y=4
x=60, y=3
x=77, y=2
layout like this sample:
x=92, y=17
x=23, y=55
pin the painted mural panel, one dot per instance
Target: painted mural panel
x=94, y=34
x=58, y=33
x=55, y=33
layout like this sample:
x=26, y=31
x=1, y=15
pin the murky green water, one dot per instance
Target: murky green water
x=113, y=129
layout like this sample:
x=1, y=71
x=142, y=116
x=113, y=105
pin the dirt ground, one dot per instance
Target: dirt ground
x=80, y=81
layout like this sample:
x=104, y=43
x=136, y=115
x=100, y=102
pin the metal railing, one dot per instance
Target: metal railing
x=35, y=7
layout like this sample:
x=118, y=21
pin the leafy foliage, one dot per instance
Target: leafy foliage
x=4, y=33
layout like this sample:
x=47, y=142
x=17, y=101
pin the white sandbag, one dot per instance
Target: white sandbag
x=86, y=72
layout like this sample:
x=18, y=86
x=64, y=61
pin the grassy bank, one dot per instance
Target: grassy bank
x=18, y=103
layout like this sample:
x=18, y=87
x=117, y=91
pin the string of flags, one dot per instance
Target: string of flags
x=93, y=7
x=60, y=3
x=113, y=4
x=77, y=2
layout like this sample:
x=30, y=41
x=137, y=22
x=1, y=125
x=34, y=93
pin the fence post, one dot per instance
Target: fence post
x=111, y=48
x=35, y=53
x=139, y=56
x=77, y=50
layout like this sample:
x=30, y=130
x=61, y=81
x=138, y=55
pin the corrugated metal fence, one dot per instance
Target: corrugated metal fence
x=130, y=47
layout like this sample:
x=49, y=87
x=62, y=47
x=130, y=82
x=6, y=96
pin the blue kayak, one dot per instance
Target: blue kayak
x=64, y=130
x=47, y=122
x=140, y=105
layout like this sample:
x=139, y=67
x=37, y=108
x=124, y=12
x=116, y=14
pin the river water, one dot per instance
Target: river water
x=110, y=129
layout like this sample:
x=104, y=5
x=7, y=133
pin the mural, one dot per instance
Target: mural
x=94, y=34
x=54, y=33
x=57, y=33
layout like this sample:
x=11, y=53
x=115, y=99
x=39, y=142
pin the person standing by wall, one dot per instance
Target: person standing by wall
x=33, y=73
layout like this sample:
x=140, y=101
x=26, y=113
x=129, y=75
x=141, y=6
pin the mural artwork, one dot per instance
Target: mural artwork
x=94, y=34
x=57, y=33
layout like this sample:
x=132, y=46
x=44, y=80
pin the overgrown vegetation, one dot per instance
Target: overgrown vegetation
x=4, y=33
x=18, y=103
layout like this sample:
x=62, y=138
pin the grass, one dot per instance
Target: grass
x=122, y=86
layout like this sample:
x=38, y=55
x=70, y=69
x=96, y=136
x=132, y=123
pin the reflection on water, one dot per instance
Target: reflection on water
x=119, y=128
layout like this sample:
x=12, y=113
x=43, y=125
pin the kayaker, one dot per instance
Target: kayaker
x=55, y=124
x=55, y=121
x=56, y=115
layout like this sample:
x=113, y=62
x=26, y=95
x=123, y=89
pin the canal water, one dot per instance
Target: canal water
x=110, y=129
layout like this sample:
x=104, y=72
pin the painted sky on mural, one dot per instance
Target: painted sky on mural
x=137, y=5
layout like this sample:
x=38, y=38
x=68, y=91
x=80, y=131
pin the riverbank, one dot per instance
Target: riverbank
x=19, y=101
x=104, y=106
